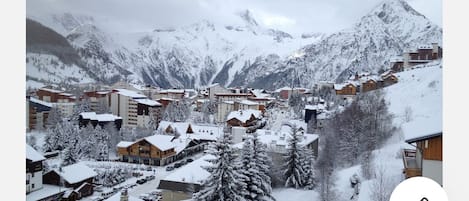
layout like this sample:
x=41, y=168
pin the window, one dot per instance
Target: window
x=32, y=185
x=426, y=144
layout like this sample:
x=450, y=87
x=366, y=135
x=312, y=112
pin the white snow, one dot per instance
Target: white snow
x=33, y=155
x=117, y=197
x=163, y=142
x=124, y=144
x=130, y=93
x=421, y=128
x=46, y=191
x=148, y=102
x=243, y=115
x=287, y=194
x=193, y=172
x=248, y=102
x=99, y=117
x=419, y=91
x=76, y=172
x=35, y=100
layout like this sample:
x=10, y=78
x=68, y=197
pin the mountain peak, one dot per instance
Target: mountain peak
x=388, y=9
x=248, y=17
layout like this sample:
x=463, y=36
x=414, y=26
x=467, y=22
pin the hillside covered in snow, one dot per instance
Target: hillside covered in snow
x=242, y=53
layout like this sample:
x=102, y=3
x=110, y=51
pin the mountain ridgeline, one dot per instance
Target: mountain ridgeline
x=237, y=54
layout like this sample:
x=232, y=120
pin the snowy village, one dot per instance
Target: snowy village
x=295, y=135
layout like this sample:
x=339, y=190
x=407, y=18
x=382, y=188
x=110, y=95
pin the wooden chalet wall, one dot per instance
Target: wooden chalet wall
x=369, y=86
x=147, y=151
x=434, y=150
x=347, y=90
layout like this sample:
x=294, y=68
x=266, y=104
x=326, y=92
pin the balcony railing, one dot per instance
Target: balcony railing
x=411, y=165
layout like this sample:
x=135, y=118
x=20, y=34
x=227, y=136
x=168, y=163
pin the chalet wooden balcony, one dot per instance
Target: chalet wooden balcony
x=411, y=165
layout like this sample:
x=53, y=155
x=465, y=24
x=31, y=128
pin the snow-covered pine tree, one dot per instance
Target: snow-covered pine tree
x=263, y=163
x=293, y=167
x=55, y=117
x=225, y=183
x=80, y=106
x=308, y=160
x=248, y=168
x=102, y=146
x=87, y=142
x=70, y=155
x=51, y=139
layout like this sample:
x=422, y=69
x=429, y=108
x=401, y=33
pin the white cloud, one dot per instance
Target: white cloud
x=294, y=17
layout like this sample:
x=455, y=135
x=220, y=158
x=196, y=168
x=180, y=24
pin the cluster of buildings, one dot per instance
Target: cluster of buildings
x=423, y=54
x=364, y=82
x=68, y=183
x=180, y=184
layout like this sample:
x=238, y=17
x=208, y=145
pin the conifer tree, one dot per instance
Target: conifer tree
x=293, y=167
x=225, y=183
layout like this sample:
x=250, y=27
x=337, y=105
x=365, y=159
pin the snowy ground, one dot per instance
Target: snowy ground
x=290, y=194
x=419, y=91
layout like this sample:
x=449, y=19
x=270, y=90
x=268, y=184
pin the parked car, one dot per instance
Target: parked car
x=169, y=168
x=150, y=177
x=141, y=181
x=177, y=165
x=157, y=193
x=107, y=194
x=149, y=168
x=189, y=160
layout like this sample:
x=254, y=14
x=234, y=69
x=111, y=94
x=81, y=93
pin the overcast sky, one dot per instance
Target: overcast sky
x=299, y=17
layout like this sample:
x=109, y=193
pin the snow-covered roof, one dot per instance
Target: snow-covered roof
x=46, y=191
x=193, y=172
x=212, y=85
x=315, y=107
x=124, y=144
x=280, y=138
x=247, y=102
x=201, y=132
x=163, y=142
x=243, y=115
x=232, y=94
x=51, y=90
x=103, y=92
x=148, y=102
x=371, y=77
x=202, y=100
x=35, y=100
x=282, y=89
x=229, y=102
x=99, y=117
x=422, y=128
x=130, y=93
x=175, y=91
x=258, y=93
x=33, y=155
x=117, y=197
x=76, y=173
x=66, y=94
x=342, y=85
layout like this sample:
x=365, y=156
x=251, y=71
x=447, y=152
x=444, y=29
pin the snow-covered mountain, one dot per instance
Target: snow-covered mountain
x=389, y=29
x=187, y=56
x=241, y=53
